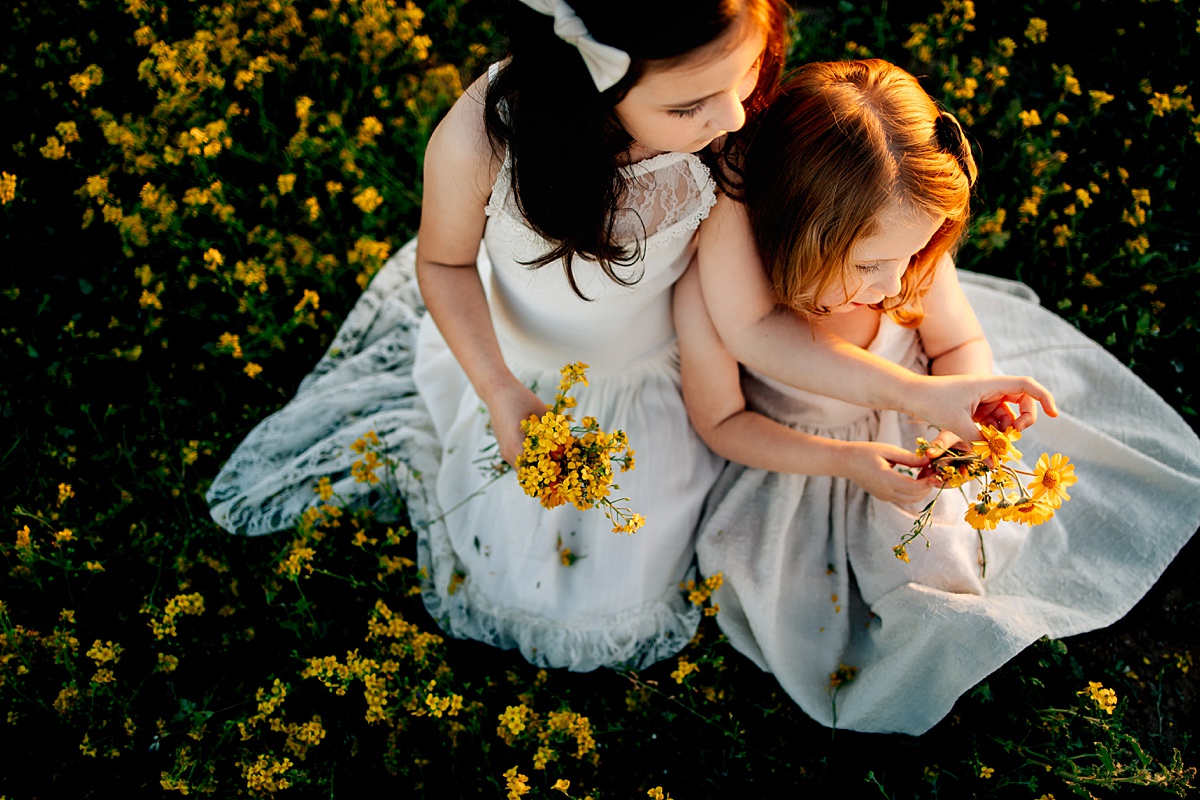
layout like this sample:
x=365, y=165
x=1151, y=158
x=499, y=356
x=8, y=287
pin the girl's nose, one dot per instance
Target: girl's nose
x=889, y=282
x=730, y=115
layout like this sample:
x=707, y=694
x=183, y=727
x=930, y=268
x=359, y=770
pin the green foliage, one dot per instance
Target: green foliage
x=194, y=195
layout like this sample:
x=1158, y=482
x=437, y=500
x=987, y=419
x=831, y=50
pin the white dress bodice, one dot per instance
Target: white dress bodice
x=539, y=319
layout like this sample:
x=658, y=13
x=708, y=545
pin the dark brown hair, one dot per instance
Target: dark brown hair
x=561, y=135
x=840, y=143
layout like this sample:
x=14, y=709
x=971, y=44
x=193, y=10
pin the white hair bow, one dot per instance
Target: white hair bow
x=606, y=64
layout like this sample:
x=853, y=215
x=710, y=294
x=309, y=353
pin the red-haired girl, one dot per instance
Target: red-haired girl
x=857, y=190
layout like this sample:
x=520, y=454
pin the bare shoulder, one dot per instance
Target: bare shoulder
x=945, y=298
x=459, y=148
x=949, y=320
x=735, y=284
x=728, y=215
x=726, y=240
x=460, y=170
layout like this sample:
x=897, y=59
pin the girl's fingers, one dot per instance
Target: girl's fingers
x=1028, y=394
x=941, y=443
x=998, y=415
x=906, y=458
x=1029, y=411
x=905, y=489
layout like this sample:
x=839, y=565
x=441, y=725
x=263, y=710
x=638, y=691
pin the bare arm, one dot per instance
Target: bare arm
x=717, y=409
x=777, y=342
x=956, y=344
x=459, y=172
x=950, y=332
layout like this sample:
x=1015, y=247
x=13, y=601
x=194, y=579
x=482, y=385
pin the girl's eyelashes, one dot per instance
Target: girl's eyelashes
x=875, y=266
x=749, y=81
x=686, y=112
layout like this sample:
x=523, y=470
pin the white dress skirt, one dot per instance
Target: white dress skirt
x=491, y=555
x=810, y=579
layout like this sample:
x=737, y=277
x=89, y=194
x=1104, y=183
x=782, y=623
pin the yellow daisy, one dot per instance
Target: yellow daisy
x=1051, y=477
x=978, y=517
x=1029, y=511
x=997, y=446
x=953, y=477
x=1003, y=508
x=999, y=481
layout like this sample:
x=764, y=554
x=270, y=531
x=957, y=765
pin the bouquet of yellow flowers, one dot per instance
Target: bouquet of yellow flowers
x=567, y=462
x=1002, y=496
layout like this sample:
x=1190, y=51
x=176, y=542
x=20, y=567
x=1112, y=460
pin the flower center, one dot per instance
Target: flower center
x=1050, y=480
x=998, y=446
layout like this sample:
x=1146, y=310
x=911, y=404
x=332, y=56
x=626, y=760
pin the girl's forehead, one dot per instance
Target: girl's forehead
x=708, y=69
x=901, y=230
x=744, y=34
x=902, y=213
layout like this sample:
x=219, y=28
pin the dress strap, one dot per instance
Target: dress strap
x=500, y=189
x=503, y=182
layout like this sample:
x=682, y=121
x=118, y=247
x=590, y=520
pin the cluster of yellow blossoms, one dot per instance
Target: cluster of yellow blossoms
x=266, y=775
x=364, y=470
x=1002, y=497
x=8, y=188
x=391, y=687
x=189, y=604
x=516, y=783
x=104, y=653
x=567, y=463
x=700, y=592
x=17, y=652
x=1105, y=699
x=684, y=669
x=300, y=736
x=522, y=723
x=845, y=673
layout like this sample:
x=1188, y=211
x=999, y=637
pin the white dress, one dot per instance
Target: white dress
x=810, y=580
x=492, y=562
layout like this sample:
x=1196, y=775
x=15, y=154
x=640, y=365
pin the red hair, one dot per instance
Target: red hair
x=841, y=142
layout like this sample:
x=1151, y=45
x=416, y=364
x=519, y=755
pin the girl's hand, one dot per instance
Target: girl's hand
x=869, y=464
x=957, y=402
x=945, y=440
x=508, y=408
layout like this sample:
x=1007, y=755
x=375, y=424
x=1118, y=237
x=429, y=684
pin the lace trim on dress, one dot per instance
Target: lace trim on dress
x=669, y=195
x=632, y=639
x=363, y=383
